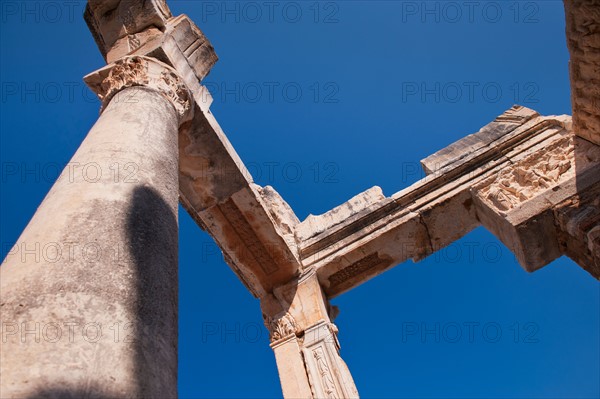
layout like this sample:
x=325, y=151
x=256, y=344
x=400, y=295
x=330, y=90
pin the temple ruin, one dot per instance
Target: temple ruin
x=531, y=180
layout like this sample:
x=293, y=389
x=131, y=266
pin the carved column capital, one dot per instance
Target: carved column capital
x=142, y=71
x=280, y=327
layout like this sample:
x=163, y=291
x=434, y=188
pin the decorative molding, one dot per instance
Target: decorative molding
x=516, y=114
x=528, y=178
x=255, y=247
x=146, y=72
x=325, y=372
x=134, y=42
x=334, y=334
x=357, y=268
x=280, y=327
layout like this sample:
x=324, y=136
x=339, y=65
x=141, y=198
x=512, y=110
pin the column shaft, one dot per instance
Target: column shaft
x=89, y=291
x=292, y=371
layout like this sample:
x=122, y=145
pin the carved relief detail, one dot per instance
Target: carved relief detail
x=280, y=327
x=144, y=71
x=325, y=373
x=174, y=89
x=526, y=179
x=253, y=245
x=134, y=42
x=328, y=375
x=125, y=73
x=357, y=268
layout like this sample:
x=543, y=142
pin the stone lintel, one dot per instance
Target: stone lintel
x=472, y=162
x=256, y=237
x=120, y=26
x=447, y=203
x=252, y=225
x=487, y=136
x=314, y=225
x=152, y=32
x=371, y=251
x=184, y=46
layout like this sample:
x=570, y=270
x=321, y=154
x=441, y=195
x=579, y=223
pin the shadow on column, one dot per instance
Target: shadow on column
x=93, y=392
x=151, y=238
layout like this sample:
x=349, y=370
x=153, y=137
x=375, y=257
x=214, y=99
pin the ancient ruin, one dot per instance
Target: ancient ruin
x=532, y=180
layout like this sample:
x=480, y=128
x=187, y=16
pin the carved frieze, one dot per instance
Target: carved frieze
x=531, y=176
x=324, y=373
x=357, y=268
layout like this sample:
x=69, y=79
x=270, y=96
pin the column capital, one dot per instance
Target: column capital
x=143, y=71
x=280, y=327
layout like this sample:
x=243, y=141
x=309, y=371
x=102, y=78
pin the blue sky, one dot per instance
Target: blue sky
x=323, y=100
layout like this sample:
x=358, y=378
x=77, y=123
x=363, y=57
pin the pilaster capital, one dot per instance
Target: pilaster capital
x=142, y=71
x=281, y=327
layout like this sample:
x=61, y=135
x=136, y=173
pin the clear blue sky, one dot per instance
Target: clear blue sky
x=378, y=84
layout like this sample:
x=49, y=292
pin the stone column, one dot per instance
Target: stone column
x=305, y=342
x=89, y=292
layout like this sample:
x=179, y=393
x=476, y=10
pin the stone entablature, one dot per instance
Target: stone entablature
x=506, y=177
x=533, y=181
